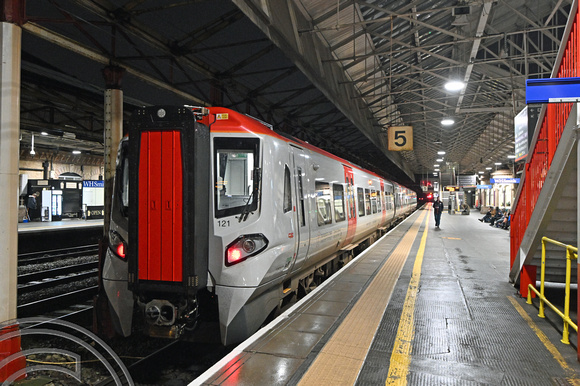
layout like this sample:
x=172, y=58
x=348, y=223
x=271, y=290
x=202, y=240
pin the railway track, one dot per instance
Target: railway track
x=58, y=283
x=57, y=254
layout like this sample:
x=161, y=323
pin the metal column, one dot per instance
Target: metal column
x=10, y=41
x=113, y=133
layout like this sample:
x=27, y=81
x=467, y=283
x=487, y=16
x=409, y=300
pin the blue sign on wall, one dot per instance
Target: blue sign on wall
x=552, y=90
x=505, y=180
x=93, y=184
x=484, y=186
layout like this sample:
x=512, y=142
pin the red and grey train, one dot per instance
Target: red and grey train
x=213, y=204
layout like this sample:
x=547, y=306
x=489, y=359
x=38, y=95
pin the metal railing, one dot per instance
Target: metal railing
x=571, y=253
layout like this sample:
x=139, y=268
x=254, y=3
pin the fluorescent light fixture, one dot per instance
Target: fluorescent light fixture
x=441, y=152
x=481, y=172
x=43, y=133
x=436, y=165
x=498, y=163
x=437, y=170
x=511, y=156
x=454, y=85
x=447, y=122
x=76, y=152
x=488, y=168
x=435, y=174
x=439, y=160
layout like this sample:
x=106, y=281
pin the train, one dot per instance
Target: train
x=215, y=212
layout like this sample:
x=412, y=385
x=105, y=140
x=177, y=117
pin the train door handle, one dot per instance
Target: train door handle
x=167, y=205
x=152, y=204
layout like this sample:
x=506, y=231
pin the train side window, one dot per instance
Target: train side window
x=287, y=190
x=368, y=201
x=383, y=203
x=338, y=192
x=301, y=198
x=374, y=200
x=323, y=205
x=361, y=201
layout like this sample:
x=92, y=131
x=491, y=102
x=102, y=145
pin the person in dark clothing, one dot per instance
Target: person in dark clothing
x=437, y=209
x=31, y=204
x=487, y=216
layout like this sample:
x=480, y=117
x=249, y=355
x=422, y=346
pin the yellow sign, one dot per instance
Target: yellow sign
x=400, y=138
x=222, y=116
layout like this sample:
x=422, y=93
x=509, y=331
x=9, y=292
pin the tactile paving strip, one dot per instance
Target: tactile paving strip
x=340, y=360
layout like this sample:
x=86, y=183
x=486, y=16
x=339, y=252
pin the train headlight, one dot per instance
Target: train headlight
x=118, y=245
x=245, y=246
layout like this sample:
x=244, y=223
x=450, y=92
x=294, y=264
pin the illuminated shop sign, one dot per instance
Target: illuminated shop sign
x=505, y=180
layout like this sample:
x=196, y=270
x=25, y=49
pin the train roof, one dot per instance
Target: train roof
x=231, y=121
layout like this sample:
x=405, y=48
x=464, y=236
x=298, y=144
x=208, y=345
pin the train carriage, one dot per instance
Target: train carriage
x=213, y=203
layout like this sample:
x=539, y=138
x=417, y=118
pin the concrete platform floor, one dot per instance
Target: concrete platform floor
x=424, y=306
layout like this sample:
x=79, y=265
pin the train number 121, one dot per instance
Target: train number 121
x=223, y=223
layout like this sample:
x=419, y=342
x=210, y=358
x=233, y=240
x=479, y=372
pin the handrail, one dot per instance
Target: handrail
x=571, y=253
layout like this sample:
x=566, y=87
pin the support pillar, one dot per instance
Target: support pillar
x=113, y=133
x=527, y=276
x=10, y=52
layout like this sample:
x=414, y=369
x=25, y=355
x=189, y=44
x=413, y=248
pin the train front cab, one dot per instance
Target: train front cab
x=168, y=232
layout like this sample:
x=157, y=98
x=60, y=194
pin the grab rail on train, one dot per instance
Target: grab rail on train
x=571, y=253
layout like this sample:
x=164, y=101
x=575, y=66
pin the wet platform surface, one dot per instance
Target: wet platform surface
x=423, y=306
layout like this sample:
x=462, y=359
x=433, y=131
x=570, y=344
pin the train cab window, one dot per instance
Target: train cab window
x=323, y=205
x=361, y=201
x=235, y=160
x=338, y=193
x=287, y=190
x=374, y=200
x=122, y=178
x=368, y=201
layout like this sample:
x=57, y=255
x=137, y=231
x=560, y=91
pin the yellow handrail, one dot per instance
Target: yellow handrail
x=571, y=253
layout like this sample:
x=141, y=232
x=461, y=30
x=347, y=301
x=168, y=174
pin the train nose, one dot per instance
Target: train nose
x=160, y=313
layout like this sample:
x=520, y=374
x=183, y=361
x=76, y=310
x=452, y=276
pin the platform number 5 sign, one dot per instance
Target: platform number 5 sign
x=400, y=138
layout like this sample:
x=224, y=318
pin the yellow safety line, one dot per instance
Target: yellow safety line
x=401, y=354
x=341, y=359
x=543, y=338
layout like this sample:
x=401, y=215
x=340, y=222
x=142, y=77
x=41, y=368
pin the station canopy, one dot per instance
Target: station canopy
x=337, y=74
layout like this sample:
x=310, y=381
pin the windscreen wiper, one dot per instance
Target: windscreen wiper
x=255, y=193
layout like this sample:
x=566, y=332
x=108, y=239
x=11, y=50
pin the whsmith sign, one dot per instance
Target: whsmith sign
x=94, y=184
x=505, y=180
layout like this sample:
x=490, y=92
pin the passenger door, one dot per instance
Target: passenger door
x=302, y=230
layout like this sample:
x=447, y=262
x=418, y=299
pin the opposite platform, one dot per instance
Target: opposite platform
x=422, y=306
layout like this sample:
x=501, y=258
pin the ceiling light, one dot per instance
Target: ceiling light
x=436, y=165
x=454, y=85
x=488, y=168
x=76, y=152
x=447, y=122
x=439, y=160
x=441, y=152
x=481, y=172
x=511, y=156
x=44, y=133
x=498, y=163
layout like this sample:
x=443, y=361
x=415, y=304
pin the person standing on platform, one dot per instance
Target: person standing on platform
x=437, y=209
x=31, y=204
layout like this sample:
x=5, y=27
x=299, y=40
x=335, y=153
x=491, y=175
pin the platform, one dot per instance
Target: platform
x=422, y=306
x=37, y=226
